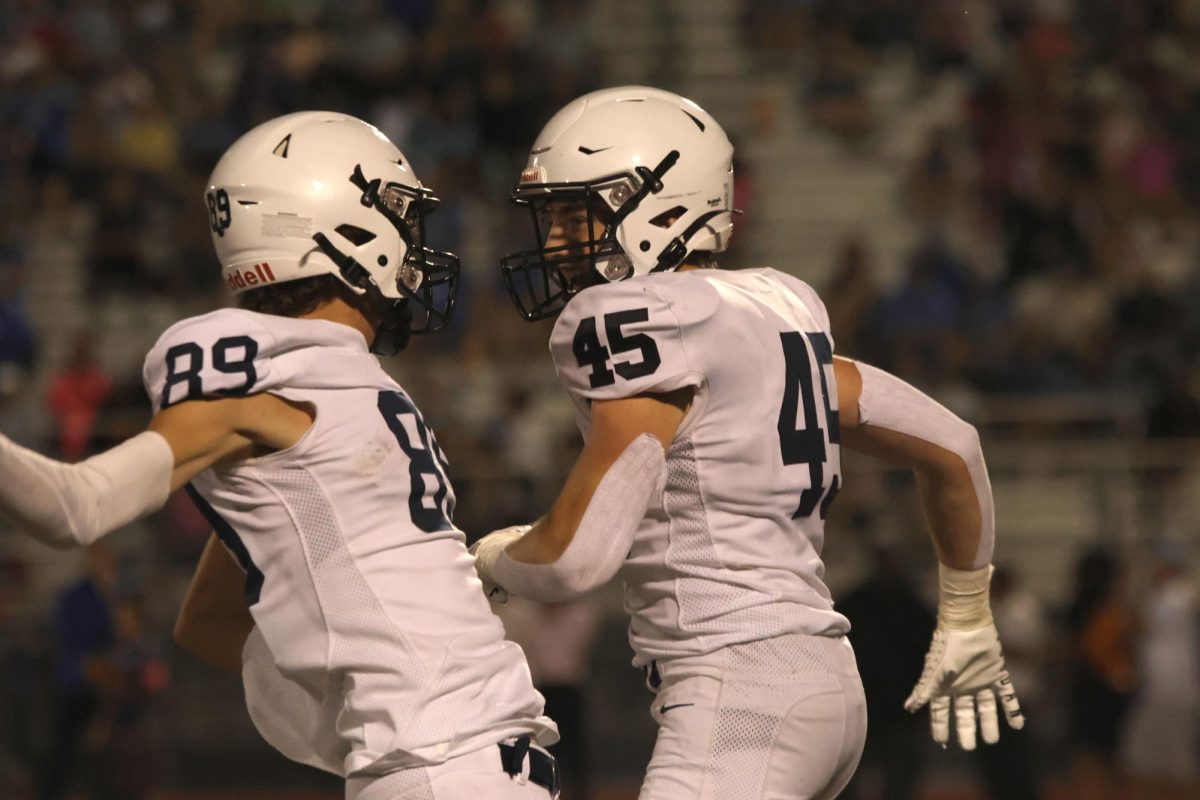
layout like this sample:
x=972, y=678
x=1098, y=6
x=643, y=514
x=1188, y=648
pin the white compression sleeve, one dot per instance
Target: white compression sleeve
x=67, y=505
x=888, y=402
x=604, y=535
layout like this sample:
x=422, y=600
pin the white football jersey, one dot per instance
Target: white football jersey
x=731, y=552
x=359, y=582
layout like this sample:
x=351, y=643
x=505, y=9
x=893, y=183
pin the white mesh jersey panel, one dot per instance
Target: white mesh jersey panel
x=710, y=601
x=368, y=608
x=733, y=552
x=367, y=652
x=741, y=746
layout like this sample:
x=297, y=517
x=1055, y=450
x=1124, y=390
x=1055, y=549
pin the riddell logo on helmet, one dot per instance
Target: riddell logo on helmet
x=534, y=175
x=244, y=279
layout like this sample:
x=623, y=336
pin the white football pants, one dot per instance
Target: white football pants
x=474, y=776
x=777, y=719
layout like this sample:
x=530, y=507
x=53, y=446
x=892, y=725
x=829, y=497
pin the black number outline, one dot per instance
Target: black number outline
x=425, y=457
x=620, y=343
x=244, y=365
x=190, y=376
x=220, y=213
x=590, y=352
x=807, y=445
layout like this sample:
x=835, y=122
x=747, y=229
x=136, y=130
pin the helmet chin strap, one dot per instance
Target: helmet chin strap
x=395, y=328
x=677, y=250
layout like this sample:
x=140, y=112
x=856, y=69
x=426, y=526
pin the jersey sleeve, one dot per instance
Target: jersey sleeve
x=226, y=353
x=619, y=340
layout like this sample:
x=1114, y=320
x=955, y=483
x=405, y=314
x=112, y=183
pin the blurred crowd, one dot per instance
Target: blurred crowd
x=1058, y=255
x=1060, y=248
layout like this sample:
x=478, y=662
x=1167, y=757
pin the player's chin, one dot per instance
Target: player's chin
x=577, y=272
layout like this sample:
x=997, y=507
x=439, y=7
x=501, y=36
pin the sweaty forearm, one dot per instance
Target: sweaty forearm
x=949, y=503
x=70, y=505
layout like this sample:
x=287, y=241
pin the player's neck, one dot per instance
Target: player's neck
x=338, y=310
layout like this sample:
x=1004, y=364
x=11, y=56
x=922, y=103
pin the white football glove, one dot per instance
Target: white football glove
x=486, y=551
x=965, y=669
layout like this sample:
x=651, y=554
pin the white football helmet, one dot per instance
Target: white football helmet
x=316, y=193
x=654, y=166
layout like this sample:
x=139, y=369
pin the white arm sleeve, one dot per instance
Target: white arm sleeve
x=69, y=505
x=605, y=533
x=888, y=402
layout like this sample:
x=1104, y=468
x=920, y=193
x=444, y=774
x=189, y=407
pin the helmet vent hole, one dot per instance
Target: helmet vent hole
x=354, y=234
x=694, y=119
x=645, y=245
x=667, y=218
x=281, y=149
x=247, y=202
x=382, y=261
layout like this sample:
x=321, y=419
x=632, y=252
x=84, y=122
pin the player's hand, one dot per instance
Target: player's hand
x=964, y=670
x=486, y=551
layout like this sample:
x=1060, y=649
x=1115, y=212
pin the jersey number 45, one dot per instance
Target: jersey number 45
x=806, y=444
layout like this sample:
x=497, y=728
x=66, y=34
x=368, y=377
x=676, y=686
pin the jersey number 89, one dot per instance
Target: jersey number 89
x=231, y=355
x=430, y=503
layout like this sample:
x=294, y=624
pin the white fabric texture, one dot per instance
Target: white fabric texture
x=964, y=598
x=890, y=403
x=605, y=533
x=289, y=717
x=767, y=720
x=478, y=775
x=73, y=505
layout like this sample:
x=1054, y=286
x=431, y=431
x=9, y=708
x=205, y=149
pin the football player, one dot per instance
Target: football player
x=373, y=653
x=713, y=412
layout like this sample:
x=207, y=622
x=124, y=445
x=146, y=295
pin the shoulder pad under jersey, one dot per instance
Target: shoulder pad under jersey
x=225, y=353
x=622, y=339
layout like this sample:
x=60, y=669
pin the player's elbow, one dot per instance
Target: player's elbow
x=960, y=447
x=577, y=579
x=964, y=443
x=550, y=540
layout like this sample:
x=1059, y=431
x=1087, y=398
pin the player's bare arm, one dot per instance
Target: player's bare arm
x=885, y=417
x=73, y=505
x=598, y=510
x=214, y=621
x=202, y=433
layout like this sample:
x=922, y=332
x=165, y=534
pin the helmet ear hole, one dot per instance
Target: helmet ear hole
x=667, y=218
x=354, y=234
